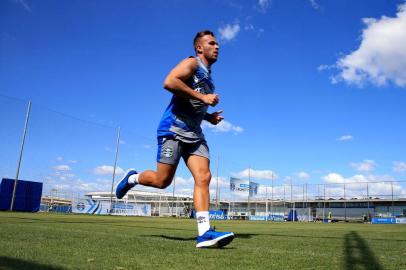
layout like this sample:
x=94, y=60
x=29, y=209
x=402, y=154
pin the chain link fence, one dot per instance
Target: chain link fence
x=76, y=160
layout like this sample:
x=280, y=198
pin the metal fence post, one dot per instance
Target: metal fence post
x=217, y=183
x=345, y=206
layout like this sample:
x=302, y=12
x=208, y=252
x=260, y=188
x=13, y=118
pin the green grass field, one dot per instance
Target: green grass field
x=57, y=241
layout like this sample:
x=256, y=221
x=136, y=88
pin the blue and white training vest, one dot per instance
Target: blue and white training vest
x=183, y=116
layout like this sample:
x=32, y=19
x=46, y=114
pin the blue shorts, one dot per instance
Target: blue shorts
x=171, y=150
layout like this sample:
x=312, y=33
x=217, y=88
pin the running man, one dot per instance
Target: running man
x=180, y=135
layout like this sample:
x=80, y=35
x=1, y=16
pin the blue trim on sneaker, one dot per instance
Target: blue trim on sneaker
x=211, y=238
x=123, y=187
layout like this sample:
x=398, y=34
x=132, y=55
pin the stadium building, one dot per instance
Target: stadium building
x=169, y=204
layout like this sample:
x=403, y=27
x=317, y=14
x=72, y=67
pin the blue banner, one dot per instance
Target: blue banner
x=257, y=218
x=276, y=218
x=389, y=220
x=217, y=214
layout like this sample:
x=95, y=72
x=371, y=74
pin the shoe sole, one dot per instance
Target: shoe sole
x=218, y=242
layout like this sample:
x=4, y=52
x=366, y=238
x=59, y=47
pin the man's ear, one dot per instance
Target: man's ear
x=199, y=48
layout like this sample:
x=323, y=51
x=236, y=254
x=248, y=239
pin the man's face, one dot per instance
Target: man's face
x=209, y=48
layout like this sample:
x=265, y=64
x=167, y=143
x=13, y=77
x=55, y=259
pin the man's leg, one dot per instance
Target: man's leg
x=161, y=178
x=167, y=161
x=199, y=167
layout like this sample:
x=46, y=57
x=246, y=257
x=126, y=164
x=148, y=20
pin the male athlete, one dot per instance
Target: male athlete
x=180, y=135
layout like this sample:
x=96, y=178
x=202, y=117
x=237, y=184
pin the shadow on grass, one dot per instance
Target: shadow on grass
x=186, y=239
x=357, y=253
x=176, y=238
x=18, y=264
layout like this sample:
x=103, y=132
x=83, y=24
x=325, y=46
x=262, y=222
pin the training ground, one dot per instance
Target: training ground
x=58, y=241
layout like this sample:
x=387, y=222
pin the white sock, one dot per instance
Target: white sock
x=133, y=179
x=203, y=222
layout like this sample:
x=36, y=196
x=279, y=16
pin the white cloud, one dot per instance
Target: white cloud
x=62, y=168
x=314, y=4
x=399, y=166
x=59, y=158
x=180, y=181
x=256, y=174
x=365, y=166
x=229, y=31
x=223, y=182
x=303, y=175
x=185, y=191
x=67, y=186
x=263, y=5
x=106, y=169
x=336, y=178
x=251, y=27
x=361, y=186
x=381, y=56
x=223, y=126
x=189, y=182
x=345, y=138
x=325, y=67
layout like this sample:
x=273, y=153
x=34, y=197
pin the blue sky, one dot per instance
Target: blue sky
x=312, y=90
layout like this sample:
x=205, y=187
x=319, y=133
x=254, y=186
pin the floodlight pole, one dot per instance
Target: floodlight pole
x=266, y=204
x=173, y=193
x=114, y=169
x=393, y=203
x=27, y=117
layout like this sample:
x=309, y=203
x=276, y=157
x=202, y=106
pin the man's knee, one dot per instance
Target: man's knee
x=203, y=178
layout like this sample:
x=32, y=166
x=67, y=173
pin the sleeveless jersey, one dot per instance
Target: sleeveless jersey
x=183, y=116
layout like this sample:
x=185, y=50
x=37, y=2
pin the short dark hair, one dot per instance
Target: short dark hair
x=200, y=35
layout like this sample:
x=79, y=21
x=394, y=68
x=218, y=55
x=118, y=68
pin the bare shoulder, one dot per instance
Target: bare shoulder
x=185, y=68
x=190, y=63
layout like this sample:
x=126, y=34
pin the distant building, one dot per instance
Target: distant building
x=165, y=204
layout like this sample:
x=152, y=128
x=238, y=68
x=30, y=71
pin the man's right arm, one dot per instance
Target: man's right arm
x=175, y=82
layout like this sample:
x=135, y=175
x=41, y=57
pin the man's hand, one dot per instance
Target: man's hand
x=216, y=117
x=211, y=99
